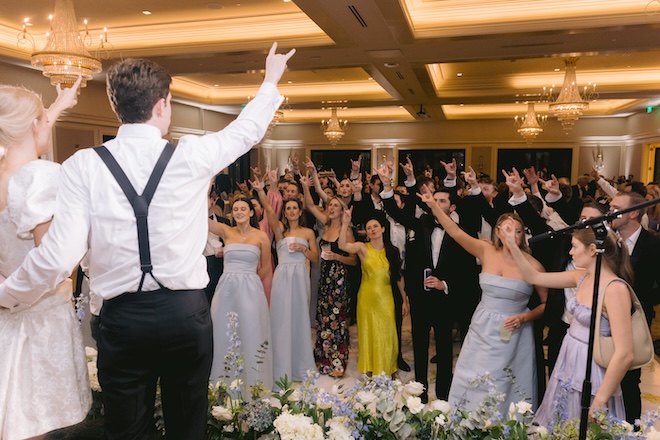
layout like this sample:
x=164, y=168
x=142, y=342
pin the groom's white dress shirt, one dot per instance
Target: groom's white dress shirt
x=93, y=213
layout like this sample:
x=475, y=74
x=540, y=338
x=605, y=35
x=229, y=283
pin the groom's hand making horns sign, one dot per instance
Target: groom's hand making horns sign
x=276, y=64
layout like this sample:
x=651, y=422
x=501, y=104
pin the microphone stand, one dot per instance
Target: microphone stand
x=598, y=224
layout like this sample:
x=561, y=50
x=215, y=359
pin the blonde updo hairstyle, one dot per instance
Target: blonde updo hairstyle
x=19, y=107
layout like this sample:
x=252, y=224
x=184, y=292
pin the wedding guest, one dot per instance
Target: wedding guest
x=332, y=337
x=44, y=384
x=157, y=326
x=213, y=251
x=289, y=312
x=644, y=251
x=366, y=207
x=434, y=296
x=262, y=223
x=500, y=337
x=563, y=395
x=240, y=290
x=555, y=253
x=381, y=269
x=653, y=213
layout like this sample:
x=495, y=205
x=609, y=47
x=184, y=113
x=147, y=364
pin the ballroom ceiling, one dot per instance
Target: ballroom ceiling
x=377, y=60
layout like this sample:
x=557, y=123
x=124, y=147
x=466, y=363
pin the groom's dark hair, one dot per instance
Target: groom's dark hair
x=134, y=86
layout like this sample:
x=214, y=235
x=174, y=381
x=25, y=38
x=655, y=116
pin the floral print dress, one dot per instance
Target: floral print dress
x=331, y=348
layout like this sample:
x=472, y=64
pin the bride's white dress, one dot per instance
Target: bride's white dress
x=44, y=383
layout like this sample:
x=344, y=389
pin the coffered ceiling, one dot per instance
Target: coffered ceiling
x=378, y=60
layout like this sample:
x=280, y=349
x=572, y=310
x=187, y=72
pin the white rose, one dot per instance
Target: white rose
x=295, y=396
x=235, y=384
x=414, y=404
x=221, y=413
x=441, y=405
x=366, y=397
x=414, y=388
x=524, y=407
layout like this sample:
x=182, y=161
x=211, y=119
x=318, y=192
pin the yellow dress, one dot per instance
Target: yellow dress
x=377, y=339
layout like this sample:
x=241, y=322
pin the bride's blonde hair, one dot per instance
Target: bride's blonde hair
x=19, y=107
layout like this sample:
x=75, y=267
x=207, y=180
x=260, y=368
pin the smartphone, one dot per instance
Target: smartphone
x=427, y=273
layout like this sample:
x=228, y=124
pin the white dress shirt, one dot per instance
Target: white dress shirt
x=93, y=213
x=631, y=241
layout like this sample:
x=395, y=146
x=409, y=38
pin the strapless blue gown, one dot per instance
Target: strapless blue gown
x=240, y=290
x=484, y=350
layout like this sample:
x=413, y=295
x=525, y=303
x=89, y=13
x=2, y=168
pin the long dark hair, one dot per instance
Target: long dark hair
x=285, y=221
x=391, y=251
x=253, y=218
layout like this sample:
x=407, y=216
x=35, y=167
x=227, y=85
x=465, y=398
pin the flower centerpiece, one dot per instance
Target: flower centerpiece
x=381, y=407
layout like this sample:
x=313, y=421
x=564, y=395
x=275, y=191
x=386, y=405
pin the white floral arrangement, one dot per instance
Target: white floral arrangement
x=377, y=407
x=382, y=407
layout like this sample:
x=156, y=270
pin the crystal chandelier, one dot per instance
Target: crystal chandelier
x=570, y=104
x=333, y=128
x=529, y=126
x=64, y=57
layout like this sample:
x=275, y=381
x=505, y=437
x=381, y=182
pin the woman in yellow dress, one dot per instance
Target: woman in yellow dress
x=377, y=337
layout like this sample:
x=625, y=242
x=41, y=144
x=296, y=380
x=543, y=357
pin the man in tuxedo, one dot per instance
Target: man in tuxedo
x=585, y=188
x=434, y=299
x=644, y=249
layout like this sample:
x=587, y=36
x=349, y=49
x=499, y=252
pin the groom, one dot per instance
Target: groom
x=158, y=325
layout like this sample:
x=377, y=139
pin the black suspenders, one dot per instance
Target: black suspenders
x=140, y=203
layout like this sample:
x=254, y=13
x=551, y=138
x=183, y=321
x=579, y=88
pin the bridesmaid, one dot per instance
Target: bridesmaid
x=289, y=313
x=332, y=339
x=240, y=290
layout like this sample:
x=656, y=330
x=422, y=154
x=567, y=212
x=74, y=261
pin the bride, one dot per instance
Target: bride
x=44, y=385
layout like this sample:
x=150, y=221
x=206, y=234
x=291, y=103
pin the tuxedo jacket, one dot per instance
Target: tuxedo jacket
x=645, y=260
x=455, y=266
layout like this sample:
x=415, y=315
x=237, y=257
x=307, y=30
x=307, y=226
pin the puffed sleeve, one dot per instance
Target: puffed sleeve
x=31, y=199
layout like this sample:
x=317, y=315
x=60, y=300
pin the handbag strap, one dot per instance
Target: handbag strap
x=601, y=296
x=140, y=203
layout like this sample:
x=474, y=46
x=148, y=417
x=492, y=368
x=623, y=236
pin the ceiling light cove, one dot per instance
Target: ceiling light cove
x=428, y=18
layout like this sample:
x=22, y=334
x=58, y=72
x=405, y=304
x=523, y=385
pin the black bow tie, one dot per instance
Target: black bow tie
x=439, y=226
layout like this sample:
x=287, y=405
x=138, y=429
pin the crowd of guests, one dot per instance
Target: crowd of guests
x=454, y=253
x=291, y=252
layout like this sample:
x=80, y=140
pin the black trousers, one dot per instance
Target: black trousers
x=632, y=395
x=398, y=317
x=214, y=267
x=150, y=335
x=432, y=309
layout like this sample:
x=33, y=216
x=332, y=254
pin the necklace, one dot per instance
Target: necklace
x=243, y=236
